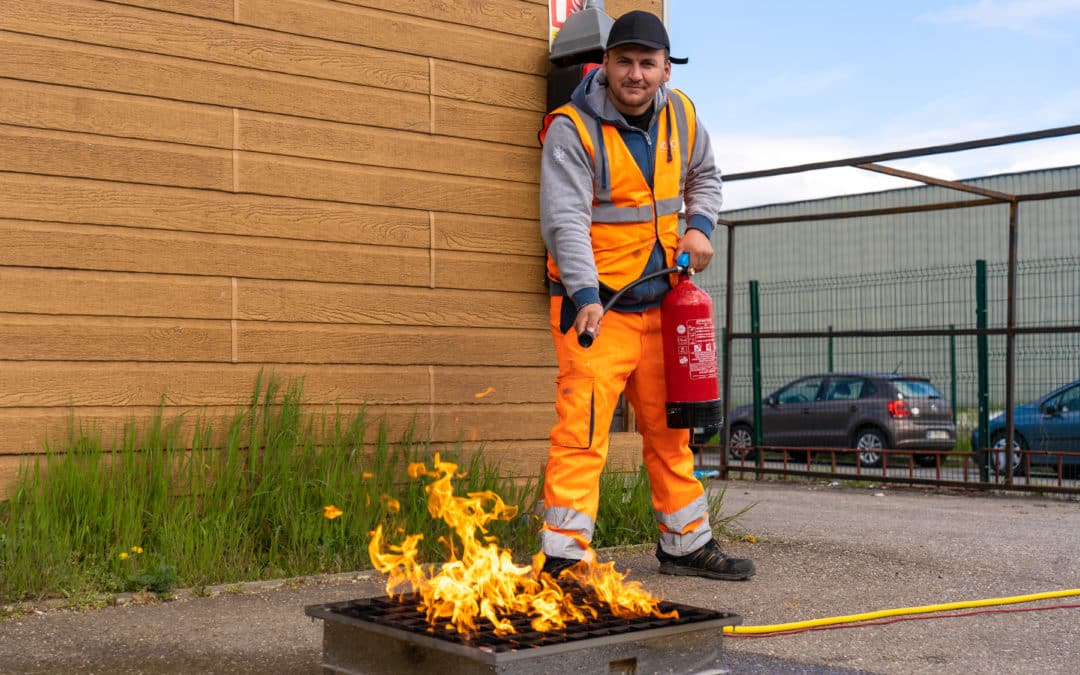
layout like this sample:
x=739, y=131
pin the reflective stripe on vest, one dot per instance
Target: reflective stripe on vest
x=627, y=216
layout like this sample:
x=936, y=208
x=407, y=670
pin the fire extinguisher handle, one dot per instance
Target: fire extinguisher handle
x=683, y=262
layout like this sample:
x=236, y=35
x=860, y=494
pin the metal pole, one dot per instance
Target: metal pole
x=1010, y=342
x=830, y=350
x=952, y=372
x=755, y=359
x=729, y=304
x=983, y=358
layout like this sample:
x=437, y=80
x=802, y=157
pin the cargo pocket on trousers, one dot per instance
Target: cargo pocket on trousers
x=574, y=406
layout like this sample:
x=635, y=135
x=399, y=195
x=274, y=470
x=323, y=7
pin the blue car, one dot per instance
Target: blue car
x=1043, y=429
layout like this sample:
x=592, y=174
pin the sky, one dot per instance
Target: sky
x=784, y=82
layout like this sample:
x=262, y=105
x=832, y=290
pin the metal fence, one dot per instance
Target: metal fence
x=981, y=294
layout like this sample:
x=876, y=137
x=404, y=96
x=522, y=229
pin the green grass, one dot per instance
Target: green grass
x=181, y=502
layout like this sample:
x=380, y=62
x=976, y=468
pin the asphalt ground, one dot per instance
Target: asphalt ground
x=821, y=552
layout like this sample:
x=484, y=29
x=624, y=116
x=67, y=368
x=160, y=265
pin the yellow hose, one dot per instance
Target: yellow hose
x=924, y=609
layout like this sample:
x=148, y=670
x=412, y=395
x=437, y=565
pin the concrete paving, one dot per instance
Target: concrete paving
x=821, y=552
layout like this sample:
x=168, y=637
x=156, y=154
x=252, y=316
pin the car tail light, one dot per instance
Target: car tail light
x=899, y=409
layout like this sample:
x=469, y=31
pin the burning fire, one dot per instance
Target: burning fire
x=480, y=579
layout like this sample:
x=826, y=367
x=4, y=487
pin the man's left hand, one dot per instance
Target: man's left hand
x=698, y=246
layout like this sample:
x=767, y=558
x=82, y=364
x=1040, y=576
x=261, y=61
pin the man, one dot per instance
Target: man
x=618, y=162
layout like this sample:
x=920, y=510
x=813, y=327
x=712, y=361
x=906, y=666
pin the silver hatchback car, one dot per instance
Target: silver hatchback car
x=863, y=410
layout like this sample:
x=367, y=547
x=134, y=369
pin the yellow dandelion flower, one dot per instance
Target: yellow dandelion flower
x=751, y=538
x=136, y=549
x=330, y=512
x=366, y=475
x=123, y=555
x=392, y=505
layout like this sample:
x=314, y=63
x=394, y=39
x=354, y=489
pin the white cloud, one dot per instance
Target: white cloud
x=1014, y=14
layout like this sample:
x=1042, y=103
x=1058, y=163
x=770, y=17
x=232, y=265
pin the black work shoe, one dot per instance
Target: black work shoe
x=554, y=565
x=708, y=561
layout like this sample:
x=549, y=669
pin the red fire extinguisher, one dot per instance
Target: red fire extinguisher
x=690, y=356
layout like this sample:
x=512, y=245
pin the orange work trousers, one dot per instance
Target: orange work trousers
x=626, y=357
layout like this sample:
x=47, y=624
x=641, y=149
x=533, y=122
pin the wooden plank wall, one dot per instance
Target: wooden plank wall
x=344, y=191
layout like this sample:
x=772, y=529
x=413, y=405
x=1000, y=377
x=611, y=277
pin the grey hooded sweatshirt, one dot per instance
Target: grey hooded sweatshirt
x=566, y=195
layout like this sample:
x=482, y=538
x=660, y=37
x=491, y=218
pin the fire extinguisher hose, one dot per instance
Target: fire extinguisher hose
x=585, y=339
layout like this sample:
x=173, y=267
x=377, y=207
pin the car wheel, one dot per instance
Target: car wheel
x=869, y=442
x=740, y=449
x=998, y=454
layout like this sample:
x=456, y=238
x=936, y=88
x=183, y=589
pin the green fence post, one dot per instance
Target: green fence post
x=982, y=345
x=952, y=370
x=755, y=360
x=830, y=350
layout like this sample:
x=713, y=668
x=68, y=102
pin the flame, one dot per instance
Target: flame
x=481, y=581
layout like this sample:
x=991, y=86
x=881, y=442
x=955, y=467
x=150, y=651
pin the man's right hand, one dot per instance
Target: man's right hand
x=588, y=319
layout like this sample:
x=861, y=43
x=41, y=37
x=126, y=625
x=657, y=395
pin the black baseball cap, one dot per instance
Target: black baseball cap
x=640, y=28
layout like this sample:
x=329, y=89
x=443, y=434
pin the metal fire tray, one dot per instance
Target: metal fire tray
x=382, y=635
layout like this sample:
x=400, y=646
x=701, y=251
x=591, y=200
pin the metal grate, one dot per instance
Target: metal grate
x=406, y=616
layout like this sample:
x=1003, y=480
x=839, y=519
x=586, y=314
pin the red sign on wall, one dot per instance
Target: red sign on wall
x=559, y=10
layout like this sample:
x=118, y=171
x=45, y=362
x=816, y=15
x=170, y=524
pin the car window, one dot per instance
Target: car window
x=916, y=389
x=801, y=391
x=1066, y=401
x=844, y=388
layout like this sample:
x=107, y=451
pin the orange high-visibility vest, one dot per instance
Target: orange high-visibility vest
x=628, y=216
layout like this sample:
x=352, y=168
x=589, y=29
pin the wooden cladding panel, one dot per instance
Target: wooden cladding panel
x=396, y=31
x=262, y=342
x=25, y=337
x=466, y=82
x=507, y=16
x=494, y=386
x=457, y=269
x=93, y=67
x=40, y=291
x=372, y=146
x=170, y=34
x=27, y=430
x=617, y=8
x=316, y=179
x=62, y=384
x=88, y=201
x=478, y=423
x=341, y=303
x=459, y=232
x=211, y=9
x=95, y=247
x=69, y=154
x=46, y=198
x=465, y=119
x=45, y=106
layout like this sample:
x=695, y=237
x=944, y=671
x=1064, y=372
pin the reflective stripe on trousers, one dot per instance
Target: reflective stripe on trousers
x=626, y=357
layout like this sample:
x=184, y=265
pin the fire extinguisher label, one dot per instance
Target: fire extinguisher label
x=695, y=347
